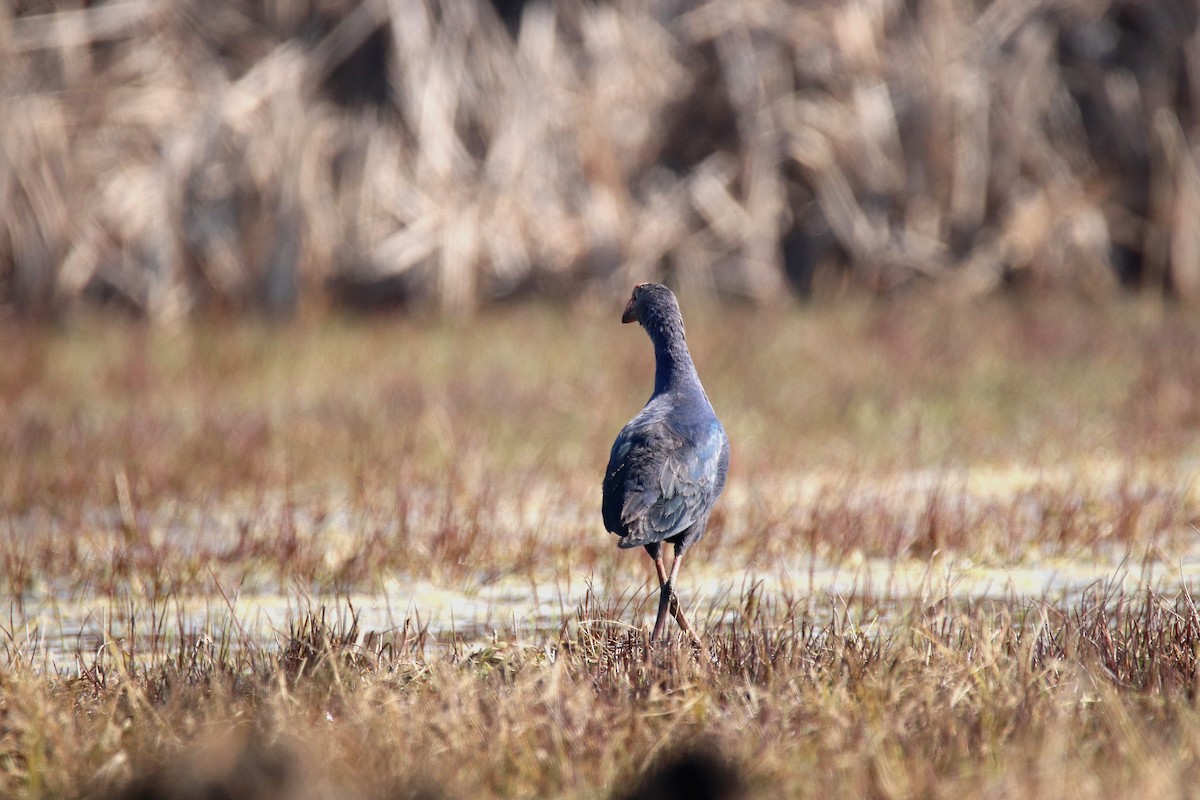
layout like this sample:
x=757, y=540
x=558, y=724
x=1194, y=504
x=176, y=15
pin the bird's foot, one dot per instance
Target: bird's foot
x=666, y=644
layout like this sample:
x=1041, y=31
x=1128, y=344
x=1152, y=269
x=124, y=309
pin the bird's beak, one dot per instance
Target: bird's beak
x=630, y=313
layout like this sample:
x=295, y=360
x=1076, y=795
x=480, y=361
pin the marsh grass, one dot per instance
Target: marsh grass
x=214, y=156
x=336, y=457
x=958, y=698
x=162, y=486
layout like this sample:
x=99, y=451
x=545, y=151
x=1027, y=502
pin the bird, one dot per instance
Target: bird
x=669, y=463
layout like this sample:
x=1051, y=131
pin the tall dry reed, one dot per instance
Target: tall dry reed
x=167, y=156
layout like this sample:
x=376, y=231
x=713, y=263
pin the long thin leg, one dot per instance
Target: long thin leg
x=667, y=600
x=664, y=602
x=676, y=611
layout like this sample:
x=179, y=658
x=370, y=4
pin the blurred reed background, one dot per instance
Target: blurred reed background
x=169, y=156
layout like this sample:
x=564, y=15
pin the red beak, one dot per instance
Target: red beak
x=630, y=313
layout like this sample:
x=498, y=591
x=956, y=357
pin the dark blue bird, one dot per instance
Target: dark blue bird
x=668, y=465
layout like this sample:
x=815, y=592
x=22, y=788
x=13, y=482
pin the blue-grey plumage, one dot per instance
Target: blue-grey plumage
x=669, y=463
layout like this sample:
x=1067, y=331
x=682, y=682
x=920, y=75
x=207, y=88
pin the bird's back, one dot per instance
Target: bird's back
x=666, y=469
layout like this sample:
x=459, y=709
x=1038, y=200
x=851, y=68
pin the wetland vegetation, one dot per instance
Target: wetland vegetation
x=363, y=556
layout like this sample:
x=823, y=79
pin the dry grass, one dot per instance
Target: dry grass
x=1091, y=700
x=162, y=485
x=333, y=455
x=160, y=482
x=171, y=156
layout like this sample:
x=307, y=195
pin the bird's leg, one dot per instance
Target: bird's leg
x=660, y=568
x=667, y=600
x=664, y=596
x=664, y=601
x=676, y=611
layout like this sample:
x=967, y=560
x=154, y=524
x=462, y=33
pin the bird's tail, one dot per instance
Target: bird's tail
x=638, y=539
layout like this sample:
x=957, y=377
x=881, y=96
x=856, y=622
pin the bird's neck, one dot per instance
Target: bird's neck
x=673, y=367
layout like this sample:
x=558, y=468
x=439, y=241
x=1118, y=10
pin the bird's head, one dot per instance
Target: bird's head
x=651, y=304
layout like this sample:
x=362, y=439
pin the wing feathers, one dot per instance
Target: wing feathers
x=665, y=481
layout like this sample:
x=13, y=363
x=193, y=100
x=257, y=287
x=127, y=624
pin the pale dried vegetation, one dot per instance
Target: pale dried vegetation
x=156, y=480
x=957, y=700
x=168, y=156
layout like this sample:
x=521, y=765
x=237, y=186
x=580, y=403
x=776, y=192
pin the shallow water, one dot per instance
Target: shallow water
x=65, y=628
x=66, y=635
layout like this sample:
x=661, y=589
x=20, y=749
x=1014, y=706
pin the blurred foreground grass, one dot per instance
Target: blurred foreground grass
x=151, y=468
x=1029, y=700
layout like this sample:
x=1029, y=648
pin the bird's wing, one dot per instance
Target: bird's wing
x=660, y=482
x=636, y=454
